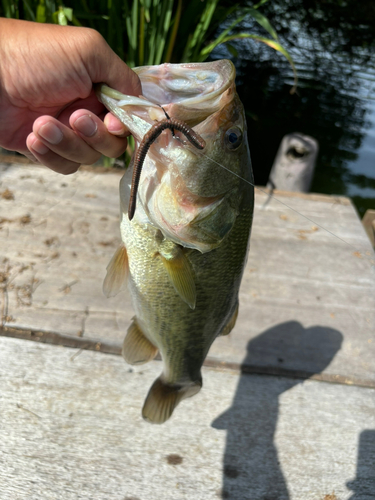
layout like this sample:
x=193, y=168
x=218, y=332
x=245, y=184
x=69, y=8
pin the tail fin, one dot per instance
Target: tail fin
x=163, y=398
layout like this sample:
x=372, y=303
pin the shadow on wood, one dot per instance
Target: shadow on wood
x=251, y=467
x=364, y=484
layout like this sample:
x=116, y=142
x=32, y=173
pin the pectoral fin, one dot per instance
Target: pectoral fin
x=117, y=272
x=137, y=349
x=163, y=398
x=230, y=325
x=181, y=276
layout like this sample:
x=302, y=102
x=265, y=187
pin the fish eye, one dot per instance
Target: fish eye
x=233, y=138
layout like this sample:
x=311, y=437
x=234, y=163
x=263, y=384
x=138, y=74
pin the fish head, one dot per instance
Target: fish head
x=193, y=197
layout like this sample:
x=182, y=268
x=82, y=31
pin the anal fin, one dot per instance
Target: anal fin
x=137, y=349
x=181, y=275
x=230, y=325
x=117, y=272
x=163, y=398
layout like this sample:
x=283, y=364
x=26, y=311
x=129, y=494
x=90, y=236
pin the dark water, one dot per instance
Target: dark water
x=332, y=44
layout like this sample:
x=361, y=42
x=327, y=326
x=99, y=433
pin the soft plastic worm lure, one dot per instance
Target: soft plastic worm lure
x=151, y=136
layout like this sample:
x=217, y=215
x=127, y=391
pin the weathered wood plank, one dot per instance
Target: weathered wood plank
x=302, y=286
x=71, y=429
x=368, y=222
x=58, y=258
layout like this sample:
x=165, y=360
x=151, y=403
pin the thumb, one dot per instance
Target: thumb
x=104, y=66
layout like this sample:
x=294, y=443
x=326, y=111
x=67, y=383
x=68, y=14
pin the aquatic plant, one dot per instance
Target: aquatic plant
x=144, y=32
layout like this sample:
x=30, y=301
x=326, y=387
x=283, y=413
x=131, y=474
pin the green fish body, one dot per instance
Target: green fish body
x=184, y=252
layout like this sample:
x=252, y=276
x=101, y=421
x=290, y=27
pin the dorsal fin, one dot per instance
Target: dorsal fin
x=117, y=272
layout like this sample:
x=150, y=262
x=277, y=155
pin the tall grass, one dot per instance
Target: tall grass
x=145, y=32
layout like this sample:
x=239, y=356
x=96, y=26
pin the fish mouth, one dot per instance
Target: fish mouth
x=190, y=83
x=190, y=92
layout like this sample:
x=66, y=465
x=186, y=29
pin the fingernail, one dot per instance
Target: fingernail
x=39, y=147
x=51, y=133
x=117, y=130
x=114, y=126
x=31, y=156
x=86, y=125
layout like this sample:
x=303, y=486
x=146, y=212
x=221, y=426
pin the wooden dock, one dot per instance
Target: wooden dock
x=287, y=411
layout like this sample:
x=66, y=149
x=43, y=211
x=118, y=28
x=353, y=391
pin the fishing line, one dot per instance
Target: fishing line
x=276, y=199
x=364, y=254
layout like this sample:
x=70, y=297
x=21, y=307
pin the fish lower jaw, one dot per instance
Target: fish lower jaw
x=186, y=240
x=187, y=233
x=200, y=227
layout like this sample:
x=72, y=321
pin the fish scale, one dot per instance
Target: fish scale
x=217, y=273
x=185, y=250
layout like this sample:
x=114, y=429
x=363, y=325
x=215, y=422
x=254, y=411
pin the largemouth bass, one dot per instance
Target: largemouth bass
x=184, y=252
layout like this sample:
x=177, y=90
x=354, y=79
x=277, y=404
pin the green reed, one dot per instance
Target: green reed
x=145, y=32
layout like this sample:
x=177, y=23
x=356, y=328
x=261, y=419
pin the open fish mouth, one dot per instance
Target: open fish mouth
x=191, y=83
x=190, y=92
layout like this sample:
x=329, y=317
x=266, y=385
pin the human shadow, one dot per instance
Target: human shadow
x=251, y=468
x=363, y=485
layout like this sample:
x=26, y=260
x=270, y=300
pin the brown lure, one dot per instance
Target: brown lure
x=151, y=136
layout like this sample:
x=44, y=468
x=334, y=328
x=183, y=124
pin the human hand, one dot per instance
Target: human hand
x=48, y=109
